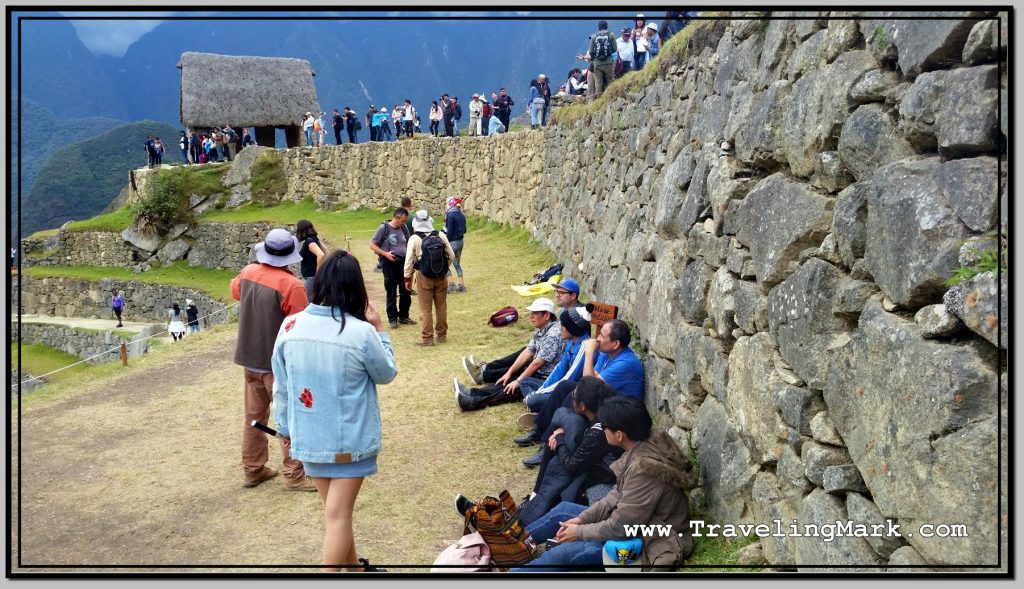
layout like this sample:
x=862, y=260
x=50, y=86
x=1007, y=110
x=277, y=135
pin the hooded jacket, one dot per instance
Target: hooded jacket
x=651, y=484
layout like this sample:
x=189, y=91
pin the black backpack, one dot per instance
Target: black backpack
x=434, y=259
x=603, y=47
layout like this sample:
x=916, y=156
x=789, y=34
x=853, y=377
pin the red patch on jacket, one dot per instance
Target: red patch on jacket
x=289, y=325
x=306, y=398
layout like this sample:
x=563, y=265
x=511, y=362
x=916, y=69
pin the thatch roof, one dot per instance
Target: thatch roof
x=243, y=91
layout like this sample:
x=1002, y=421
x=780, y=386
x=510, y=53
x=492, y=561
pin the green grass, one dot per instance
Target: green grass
x=125, y=333
x=215, y=283
x=718, y=551
x=333, y=225
x=268, y=179
x=39, y=359
x=43, y=233
x=988, y=260
x=672, y=53
x=118, y=220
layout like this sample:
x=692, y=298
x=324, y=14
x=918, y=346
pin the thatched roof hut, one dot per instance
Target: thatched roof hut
x=243, y=91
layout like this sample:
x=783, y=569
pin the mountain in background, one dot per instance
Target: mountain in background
x=68, y=93
x=79, y=180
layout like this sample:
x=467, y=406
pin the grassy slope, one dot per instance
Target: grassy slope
x=215, y=283
x=38, y=359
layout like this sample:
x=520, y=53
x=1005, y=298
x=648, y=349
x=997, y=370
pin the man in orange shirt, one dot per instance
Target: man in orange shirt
x=268, y=293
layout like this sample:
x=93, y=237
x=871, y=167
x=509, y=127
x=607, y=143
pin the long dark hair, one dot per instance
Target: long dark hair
x=176, y=308
x=339, y=285
x=304, y=229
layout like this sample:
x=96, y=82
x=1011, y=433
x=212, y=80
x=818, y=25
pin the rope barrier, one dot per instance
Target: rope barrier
x=142, y=339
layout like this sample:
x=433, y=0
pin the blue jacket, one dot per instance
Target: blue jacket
x=455, y=224
x=494, y=126
x=325, y=385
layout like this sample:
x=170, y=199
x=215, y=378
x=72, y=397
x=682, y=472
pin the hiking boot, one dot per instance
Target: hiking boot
x=462, y=505
x=406, y=321
x=425, y=344
x=534, y=460
x=394, y=323
x=249, y=481
x=305, y=484
x=369, y=568
x=530, y=438
x=527, y=420
x=472, y=370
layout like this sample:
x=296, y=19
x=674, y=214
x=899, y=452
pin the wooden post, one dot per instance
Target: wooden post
x=348, y=242
x=124, y=354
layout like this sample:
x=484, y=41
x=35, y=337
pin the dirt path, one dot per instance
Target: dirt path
x=143, y=468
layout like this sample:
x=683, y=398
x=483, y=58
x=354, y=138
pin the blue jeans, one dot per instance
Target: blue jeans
x=536, y=108
x=529, y=385
x=193, y=328
x=309, y=136
x=579, y=553
x=457, y=245
x=455, y=126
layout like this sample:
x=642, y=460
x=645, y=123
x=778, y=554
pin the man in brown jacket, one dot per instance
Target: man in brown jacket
x=267, y=293
x=652, y=478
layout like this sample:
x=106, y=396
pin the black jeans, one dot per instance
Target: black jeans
x=373, y=133
x=495, y=369
x=434, y=125
x=544, y=114
x=337, y=136
x=398, y=298
x=351, y=135
x=560, y=397
x=504, y=117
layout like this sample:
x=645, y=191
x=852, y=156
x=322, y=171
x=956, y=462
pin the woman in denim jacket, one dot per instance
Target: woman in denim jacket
x=328, y=361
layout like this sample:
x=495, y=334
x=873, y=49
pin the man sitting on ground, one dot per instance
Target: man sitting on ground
x=575, y=322
x=537, y=360
x=652, y=478
x=608, y=357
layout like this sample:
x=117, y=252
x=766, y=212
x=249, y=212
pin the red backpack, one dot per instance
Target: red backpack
x=504, y=317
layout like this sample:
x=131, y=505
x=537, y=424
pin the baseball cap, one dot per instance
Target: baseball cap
x=570, y=285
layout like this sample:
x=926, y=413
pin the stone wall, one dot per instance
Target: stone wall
x=95, y=345
x=69, y=297
x=497, y=176
x=80, y=248
x=224, y=245
x=777, y=217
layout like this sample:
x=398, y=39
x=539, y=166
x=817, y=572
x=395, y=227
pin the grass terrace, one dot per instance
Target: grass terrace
x=215, y=283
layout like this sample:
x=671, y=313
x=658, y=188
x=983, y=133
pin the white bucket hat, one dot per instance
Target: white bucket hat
x=422, y=222
x=280, y=248
x=542, y=304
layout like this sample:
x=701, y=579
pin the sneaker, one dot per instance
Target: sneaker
x=462, y=288
x=453, y=287
x=527, y=420
x=306, y=484
x=472, y=370
x=530, y=438
x=406, y=321
x=462, y=505
x=369, y=568
x=534, y=460
x=461, y=395
x=394, y=324
x=264, y=475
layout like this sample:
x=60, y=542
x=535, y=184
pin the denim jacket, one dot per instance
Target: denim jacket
x=325, y=385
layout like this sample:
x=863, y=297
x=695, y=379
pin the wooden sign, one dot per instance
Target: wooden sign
x=602, y=313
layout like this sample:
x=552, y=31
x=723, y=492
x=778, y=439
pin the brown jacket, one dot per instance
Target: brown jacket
x=267, y=295
x=650, y=488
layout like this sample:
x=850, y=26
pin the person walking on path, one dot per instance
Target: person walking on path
x=177, y=325
x=330, y=418
x=267, y=293
x=430, y=253
x=312, y=252
x=602, y=46
x=455, y=231
x=390, y=243
x=117, y=306
x=192, y=313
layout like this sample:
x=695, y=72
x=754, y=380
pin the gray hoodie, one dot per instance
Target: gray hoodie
x=650, y=488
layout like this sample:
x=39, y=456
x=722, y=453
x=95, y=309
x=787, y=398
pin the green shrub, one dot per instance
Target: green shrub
x=985, y=261
x=165, y=203
x=269, y=183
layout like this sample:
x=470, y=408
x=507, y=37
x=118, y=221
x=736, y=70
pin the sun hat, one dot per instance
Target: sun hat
x=543, y=304
x=422, y=222
x=188, y=302
x=279, y=249
x=651, y=25
x=570, y=285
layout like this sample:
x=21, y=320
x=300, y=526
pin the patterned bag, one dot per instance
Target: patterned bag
x=497, y=520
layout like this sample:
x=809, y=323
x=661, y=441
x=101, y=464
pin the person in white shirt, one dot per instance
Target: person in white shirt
x=625, y=51
x=408, y=116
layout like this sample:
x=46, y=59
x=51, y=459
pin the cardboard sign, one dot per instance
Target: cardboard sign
x=602, y=313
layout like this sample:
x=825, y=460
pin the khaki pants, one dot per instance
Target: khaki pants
x=259, y=388
x=433, y=291
x=603, y=75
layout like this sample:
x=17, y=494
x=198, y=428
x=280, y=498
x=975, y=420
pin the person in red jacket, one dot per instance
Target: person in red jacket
x=268, y=293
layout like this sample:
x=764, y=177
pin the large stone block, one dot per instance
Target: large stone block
x=817, y=108
x=954, y=110
x=982, y=305
x=909, y=219
x=756, y=122
x=725, y=464
x=919, y=420
x=797, y=405
x=801, y=319
x=751, y=306
x=750, y=399
x=817, y=457
x=869, y=140
x=921, y=43
x=854, y=554
x=848, y=224
x=863, y=511
x=692, y=290
x=720, y=304
x=981, y=43
x=670, y=194
x=971, y=187
x=907, y=560
x=777, y=220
